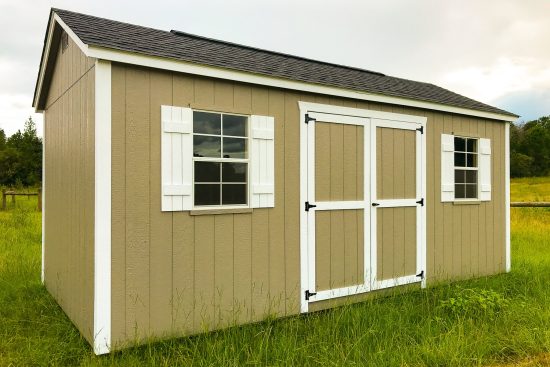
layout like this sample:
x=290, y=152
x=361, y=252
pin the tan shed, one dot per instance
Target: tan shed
x=192, y=184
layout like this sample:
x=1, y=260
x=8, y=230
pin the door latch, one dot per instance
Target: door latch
x=309, y=206
x=309, y=294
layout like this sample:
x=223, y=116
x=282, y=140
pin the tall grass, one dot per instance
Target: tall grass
x=487, y=320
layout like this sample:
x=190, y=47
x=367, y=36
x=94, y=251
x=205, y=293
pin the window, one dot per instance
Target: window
x=220, y=159
x=465, y=168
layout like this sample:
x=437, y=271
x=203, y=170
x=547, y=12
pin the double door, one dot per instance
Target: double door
x=364, y=204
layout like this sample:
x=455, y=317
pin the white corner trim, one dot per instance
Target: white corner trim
x=507, y=195
x=248, y=77
x=102, y=214
x=43, y=193
x=47, y=51
x=304, y=272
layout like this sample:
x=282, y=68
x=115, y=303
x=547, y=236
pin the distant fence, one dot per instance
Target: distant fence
x=13, y=194
x=533, y=204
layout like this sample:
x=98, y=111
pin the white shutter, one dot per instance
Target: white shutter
x=176, y=158
x=447, y=168
x=262, y=162
x=485, y=169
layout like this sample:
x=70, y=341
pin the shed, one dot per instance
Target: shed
x=192, y=184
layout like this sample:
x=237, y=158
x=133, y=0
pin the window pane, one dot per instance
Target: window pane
x=460, y=159
x=207, y=172
x=460, y=191
x=471, y=191
x=234, y=125
x=206, y=146
x=471, y=176
x=472, y=145
x=471, y=160
x=234, y=148
x=207, y=123
x=460, y=144
x=234, y=194
x=234, y=172
x=459, y=176
x=207, y=194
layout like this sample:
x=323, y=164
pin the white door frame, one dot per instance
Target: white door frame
x=419, y=202
x=355, y=116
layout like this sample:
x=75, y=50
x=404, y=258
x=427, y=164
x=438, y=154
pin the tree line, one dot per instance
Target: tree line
x=21, y=157
x=21, y=153
x=530, y=148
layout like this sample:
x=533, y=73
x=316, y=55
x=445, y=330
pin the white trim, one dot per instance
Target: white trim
x=398, y=203
x=83, y=47
x=423, y=208
x=304, y=276
x=507, y=195
x=315, y=108
x=102, y=213
x=47, y=50
x=43, y=193
x=247, y=77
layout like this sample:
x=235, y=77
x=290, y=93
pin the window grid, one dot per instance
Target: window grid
x=222, y=160
x=466, y=150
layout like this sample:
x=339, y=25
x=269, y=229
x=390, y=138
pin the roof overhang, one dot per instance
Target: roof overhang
x=56, y=24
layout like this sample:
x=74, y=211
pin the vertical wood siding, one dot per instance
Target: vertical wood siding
x=69, y=187
x=175, y=273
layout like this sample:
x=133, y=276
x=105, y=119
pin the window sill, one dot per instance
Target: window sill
x=220, y=211
x=467, y=202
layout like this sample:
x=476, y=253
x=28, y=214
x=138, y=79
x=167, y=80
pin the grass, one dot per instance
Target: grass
x=530, y=189
x=486, y=321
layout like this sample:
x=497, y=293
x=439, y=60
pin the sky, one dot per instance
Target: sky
x=494, y=51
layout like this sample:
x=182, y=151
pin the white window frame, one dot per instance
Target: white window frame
x=476, y=168
x=222, y=160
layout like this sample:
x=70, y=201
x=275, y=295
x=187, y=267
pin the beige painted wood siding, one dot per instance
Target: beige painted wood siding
x=69, y=188
x=176, y=274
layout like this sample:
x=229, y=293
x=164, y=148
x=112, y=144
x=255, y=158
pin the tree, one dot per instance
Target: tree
x=21, y=157
x=530, y=148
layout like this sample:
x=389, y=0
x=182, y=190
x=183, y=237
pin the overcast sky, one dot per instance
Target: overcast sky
x=497, y=52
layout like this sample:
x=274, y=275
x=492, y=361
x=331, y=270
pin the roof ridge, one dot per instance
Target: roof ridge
x=187, y=34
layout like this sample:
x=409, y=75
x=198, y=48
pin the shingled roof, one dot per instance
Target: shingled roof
x=95, y=31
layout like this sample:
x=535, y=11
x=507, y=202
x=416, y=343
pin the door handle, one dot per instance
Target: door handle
x=375, y=204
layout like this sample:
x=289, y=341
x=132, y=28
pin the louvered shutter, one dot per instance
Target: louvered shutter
x=262, y=162
x=447, y=168
x=485, y=169
x=176, y=158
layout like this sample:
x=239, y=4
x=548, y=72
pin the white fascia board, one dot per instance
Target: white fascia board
x=246, y=77
x=102, y=212
x=507, y=195
x=47, y=51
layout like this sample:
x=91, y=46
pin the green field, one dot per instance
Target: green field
x=491, y=320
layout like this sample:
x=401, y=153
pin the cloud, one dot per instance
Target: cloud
x=530, y=105
x=16, y=109
x=505, y=76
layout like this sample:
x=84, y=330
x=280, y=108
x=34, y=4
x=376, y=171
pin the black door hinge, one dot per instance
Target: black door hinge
x=421, y=129
x=308, y=206
x=308, y=119
x=421, y=274
x=309, y=294
x=375, y=204
x=421, y=202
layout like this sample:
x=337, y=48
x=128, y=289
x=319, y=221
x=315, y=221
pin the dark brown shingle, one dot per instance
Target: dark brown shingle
x=186, y=47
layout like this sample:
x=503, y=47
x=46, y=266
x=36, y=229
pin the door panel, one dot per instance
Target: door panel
x=339, y=249
x=339, y=161
x=395, y=163
x=396, y=242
